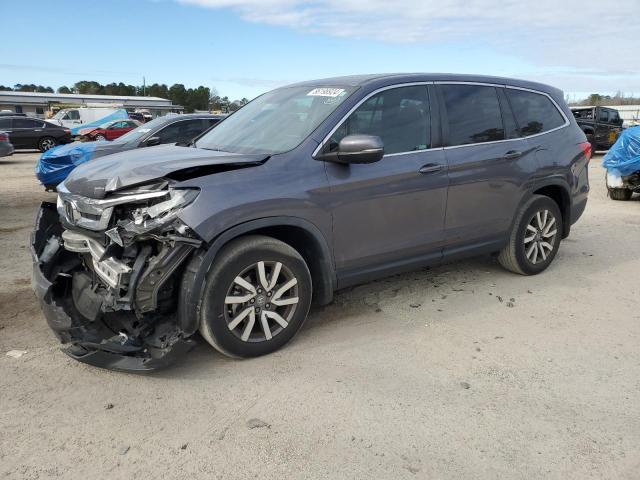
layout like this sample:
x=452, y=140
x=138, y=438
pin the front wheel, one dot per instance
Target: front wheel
x=256, y=298
x=535, y=237
x=100, y=138
x=46, y=143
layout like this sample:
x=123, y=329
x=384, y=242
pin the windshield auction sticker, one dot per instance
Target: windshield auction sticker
x=326, y=92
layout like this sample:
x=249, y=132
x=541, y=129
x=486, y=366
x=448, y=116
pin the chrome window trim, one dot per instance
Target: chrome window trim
x=445, y=82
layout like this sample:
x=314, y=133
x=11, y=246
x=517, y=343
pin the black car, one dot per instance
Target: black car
x=307, y=189
x=53, y=167
x=601, y=125
x=25, y=132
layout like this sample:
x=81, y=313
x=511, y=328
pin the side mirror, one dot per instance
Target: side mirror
x=152, y=141
x=356, y=149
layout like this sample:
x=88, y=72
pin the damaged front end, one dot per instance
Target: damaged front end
x=107, y=273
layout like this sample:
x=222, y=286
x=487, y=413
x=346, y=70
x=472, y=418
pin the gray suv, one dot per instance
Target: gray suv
x=308, y=189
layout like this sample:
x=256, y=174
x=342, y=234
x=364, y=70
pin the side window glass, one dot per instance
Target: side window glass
x=534, y=112
x=473, y=114
x=190, y=129
x=583, y=114
x=169, y=134
x=603, y=115
x=73, y=115
x=399, y=116
x=5, y=123
x=25, y=123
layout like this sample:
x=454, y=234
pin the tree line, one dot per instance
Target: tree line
x=200, y=98
x=611, y=100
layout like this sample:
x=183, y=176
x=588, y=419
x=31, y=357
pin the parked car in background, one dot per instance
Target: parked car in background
x=6, y=148
x=109, y=130
x=622, y=162
x=54, y=166
x=305, y=190
x=9, y=113
x=601, y=125
x=25, y=132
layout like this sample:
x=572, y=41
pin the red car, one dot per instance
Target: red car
x=109, y=130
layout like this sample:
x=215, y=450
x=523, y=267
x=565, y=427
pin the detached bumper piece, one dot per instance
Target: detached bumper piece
x=111, y=313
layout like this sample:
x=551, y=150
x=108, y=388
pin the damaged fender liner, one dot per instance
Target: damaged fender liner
x=154, y=344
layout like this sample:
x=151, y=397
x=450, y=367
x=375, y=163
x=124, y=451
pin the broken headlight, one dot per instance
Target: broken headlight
x=138, y=219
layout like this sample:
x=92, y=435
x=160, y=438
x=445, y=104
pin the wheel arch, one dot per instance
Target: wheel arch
x=558, y=191
x=300, y=234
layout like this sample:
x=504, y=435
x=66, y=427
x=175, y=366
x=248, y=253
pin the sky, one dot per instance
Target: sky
x=245, y=47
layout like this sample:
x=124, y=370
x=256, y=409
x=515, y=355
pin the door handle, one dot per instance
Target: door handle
x=430, y=168
x=512, y=155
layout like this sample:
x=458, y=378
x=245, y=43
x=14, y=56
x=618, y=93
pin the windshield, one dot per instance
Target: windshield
x=141, y=131
x=106, y=124
x=60, y=114
x=275, y=122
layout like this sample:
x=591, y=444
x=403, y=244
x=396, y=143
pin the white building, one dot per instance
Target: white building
x=37, y=104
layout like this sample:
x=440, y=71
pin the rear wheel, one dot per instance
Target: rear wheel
x=256, y=298
x=46, y=143
x=535, y=238
x=620, y=193
x=100, y=138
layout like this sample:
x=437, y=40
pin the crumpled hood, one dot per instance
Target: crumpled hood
x=95, y=179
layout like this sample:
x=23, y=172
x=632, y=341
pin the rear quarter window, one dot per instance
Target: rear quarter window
x=534, y=112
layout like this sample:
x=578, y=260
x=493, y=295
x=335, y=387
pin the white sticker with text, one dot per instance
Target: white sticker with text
x=326, y=92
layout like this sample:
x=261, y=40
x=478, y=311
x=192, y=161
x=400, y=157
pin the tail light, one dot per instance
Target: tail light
x=4, y=137
x=586, y=149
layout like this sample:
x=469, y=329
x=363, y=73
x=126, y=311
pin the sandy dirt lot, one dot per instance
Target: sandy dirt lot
x=464, y=371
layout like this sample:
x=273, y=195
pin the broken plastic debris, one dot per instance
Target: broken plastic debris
x=16, y=353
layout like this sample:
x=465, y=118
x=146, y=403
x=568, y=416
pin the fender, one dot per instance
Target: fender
x=551, y=182
x=195, y=275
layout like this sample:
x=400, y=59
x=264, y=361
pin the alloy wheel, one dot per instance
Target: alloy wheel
x=47, y=144
x=540, y=236
x=261, y=301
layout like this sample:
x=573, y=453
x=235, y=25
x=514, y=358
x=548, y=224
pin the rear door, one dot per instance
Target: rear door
x=602, y=126
x=488, y=164
x=389, y=213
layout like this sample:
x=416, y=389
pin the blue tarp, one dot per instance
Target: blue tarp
x=623, y=158
x=117, y=115
x=55, y=164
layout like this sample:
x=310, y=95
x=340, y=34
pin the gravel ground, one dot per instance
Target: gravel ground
x=462, y=371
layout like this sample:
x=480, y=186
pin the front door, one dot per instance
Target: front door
x=388, y=215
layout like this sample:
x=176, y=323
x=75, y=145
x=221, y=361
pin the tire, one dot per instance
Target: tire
x=521, y=256
x=622, y=194
x=100, y=138
x=46, y=143
x=224, y=323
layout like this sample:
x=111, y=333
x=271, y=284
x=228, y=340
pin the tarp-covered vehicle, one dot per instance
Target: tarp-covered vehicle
x=622, y=162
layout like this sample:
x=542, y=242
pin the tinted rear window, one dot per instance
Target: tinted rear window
x=473, y=114
x=534, y=112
